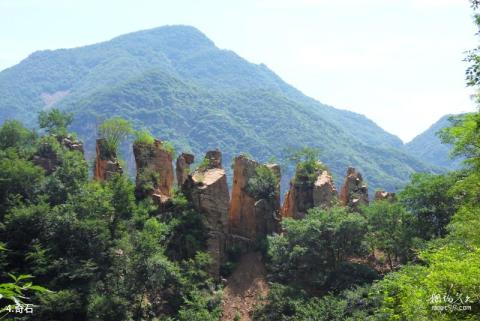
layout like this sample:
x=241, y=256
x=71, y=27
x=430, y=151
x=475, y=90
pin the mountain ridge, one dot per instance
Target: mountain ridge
x=161, y=78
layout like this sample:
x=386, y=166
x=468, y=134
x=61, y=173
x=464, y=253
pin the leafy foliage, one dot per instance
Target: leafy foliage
x=263, y=184
x=144, y=137
x=115, y=130
x=313, y=252
x=55, y=121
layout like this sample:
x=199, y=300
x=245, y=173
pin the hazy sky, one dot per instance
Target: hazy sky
x=399, y=62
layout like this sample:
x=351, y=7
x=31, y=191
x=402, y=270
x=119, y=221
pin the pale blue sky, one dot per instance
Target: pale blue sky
x=399, y=62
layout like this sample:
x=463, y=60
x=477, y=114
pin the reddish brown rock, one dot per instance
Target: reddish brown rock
x=354, y=191
x=106, y=165
x=385, y=196
x=207, y=190
x=154, y=164
x=249, y=217
x=305, y=194
x=183, y=167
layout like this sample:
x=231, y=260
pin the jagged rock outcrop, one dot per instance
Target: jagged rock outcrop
x=213, y=159
x=182, y=168
x=305, y=194
x=106, y=164
x=248, y=217
x=324, y=191
x=46, y=156
x=385, y=196
x=354, y=191
x=207, y=190
x=154, y=164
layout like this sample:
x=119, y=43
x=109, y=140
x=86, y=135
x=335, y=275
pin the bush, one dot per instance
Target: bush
x=263, y=184
x=144, y=137
x=115, y=130
x=313, y=249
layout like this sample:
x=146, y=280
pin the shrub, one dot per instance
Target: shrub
x=144, y=137
x=263, y=184
x=115, y=130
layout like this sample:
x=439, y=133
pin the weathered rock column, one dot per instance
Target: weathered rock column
x=183, y=167
x=207, y=189
x=324, y=192
x=106, y=164
x=155, y=162
x=354, y=191
x=305, y=194
x=248, y=217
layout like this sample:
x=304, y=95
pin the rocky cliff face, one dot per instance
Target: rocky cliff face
x=354, y=191
x=305, y=194
x=106, y=165
x=207, y=190
x=385, y=196
x=248, y=217
x=154, y=164
x=183, y=167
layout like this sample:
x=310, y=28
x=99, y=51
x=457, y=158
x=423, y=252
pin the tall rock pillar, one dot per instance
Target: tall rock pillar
x=106, y=163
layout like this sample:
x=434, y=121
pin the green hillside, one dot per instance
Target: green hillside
x=175, y=82
x=428, y=147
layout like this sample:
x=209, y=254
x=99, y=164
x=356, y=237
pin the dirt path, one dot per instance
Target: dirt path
x=245, y=287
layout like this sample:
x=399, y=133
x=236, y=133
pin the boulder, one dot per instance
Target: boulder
x=354, y=192
x=248, y=217
x=385, y=196
x=106, y=164
x=183, y=167
x=155, y=164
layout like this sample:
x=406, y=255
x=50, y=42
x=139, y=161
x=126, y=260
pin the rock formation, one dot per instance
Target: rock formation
x=183, y=167
x=154, y=164
x=46, y=156
x=324, y=191
x=354, y=191
x=385, y=196
x=207, y=190
x=251, y=218
x=305, y=194
x=106, y=164
x=214, y=159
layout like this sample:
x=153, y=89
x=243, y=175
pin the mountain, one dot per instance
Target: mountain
x=176, y=83
x=428, y=147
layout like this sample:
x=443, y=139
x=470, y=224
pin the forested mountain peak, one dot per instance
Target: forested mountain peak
x=174, y=82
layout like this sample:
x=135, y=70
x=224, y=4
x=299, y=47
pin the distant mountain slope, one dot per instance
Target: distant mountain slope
x=175, y=82
x=428, y=147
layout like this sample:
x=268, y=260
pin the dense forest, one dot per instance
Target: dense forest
x=75, y=248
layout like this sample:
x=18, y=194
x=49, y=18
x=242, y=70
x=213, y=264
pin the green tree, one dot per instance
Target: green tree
x=114, y=131
x=263, y=185
x=390, y=230
x=55, y=121
x=307, y=164
x=429, y=199
x=313, y=251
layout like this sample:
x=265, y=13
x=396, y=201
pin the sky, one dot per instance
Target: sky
x=399, y=62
